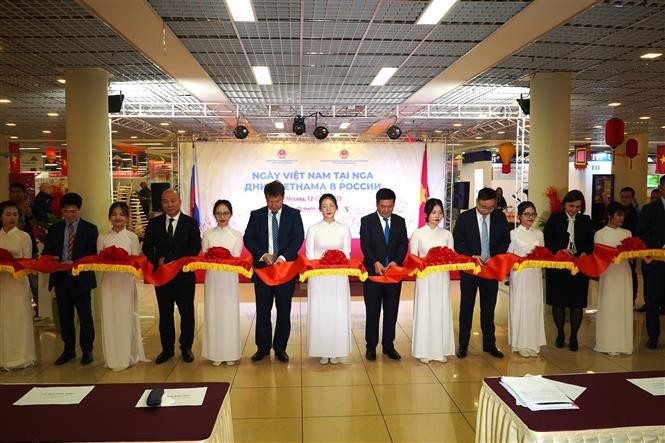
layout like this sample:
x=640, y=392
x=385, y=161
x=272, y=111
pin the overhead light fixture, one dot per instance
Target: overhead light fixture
x=165, y=124
x=134, y=137
x=46, y=131
x=299, y=125
x=645, y=117
x=614, y=104
x=438, y=131
x=13, y=137
x=597, y=126
x=262, y=75
x=344, y=125
x=501, y=132
x=662, y=127
x=10, y=124
x=394, y=132
x=435, y=12
x=114, y=131
x=525, y=104
x=587, y=138
x=651, y=55
x=241, y=10
x=241, y=132
x=52, y=114
x=478, y=137
x=457, y=125
x=5, y=100
x=62, y=81
x=181, y=131
x=320, y=132
x=279, y=125
x=383, y=76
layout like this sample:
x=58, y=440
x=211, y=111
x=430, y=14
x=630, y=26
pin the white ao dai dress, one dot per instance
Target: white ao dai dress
x=122, y=342
x=328, y=296
x=17, y=340
x=221, y=320
x=433, y=335
x=526, y=321
x=614, y=319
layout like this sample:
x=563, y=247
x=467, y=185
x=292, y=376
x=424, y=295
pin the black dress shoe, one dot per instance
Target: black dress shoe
x=163, y=357
x=64, y=358
x=258, y=355
x=187, y=356
x=461, y=353
x=652, y=344
x=573, y=346
x=282, y=356
x=493, y=351
x=86, y=359
x=370, y=354
x=393, y=354
x=560, y=341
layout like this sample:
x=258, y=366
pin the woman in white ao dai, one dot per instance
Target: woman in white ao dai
x=221, y=324
x=328, y=296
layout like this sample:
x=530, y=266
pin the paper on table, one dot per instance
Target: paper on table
x=60, y=395
x=570, y=391
x=537, y=393
x=653, y=385
x=176, y=397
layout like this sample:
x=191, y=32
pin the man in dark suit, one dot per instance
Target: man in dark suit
x=69, y=240
x=630, y=220
x=384, y=244
x=168, y=237
x=274, y=234
x=41, y=206
x=652, y=232
x=481, y=233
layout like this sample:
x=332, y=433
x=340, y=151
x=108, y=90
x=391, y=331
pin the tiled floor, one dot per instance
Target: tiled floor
x=355, y=401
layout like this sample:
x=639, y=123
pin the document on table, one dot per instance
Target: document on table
x=537, y=393
x=653, y=385
x=176, y=397
x=60, y=395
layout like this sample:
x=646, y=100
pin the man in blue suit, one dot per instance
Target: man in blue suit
x=384, y=243
x=481, y=233
x=652, y=231
x=274, y=235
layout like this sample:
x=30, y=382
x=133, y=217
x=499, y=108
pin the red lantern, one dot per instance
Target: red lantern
x=631, y=150
x=614, y=133
x=50, y=155
x=506, y=152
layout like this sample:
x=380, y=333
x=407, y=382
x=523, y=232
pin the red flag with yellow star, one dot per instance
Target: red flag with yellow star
x=660, y=159
x=424, y=189
x=15, y=158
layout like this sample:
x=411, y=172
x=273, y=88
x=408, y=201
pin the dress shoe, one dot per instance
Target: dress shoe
x=392, y=354
x=493, y=351
x=163, y=357
x=86, y=359
x=461, y=353
x=187, y=356
x=258, y=355
x=370, y=354
x=64, y=358
x=573, y=346
x=651, y=344
x=560, y=341
x=282, y=356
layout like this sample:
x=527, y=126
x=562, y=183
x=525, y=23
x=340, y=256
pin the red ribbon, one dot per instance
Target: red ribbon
x=281, y=272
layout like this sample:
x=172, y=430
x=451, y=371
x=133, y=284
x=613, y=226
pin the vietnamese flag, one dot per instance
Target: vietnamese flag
x=15, y=158
x=424, y=189
x=660, y=159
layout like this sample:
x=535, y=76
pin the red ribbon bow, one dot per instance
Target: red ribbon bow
x=631, y=244
x=113, y=253
x=218, y=253
x=334, y=257
x=440, y=255
x=5, y=255
x=540, y=253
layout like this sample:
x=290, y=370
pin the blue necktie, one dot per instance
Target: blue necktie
x=386, y=235
x=485, y=241
x=275, y=234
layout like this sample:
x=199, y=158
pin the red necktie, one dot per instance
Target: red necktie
x=70, y=241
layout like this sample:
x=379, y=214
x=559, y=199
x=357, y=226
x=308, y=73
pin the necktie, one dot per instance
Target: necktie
x=169, y=231
x=275, y=234
x=485, y=240
x=571, y=235
x=386, y=235
x=70, y=241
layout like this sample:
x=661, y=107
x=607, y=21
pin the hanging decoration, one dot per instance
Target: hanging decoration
x=506, y=152
x=582, y=154
x=614, y=133
x=631, y=150
x=51, y=155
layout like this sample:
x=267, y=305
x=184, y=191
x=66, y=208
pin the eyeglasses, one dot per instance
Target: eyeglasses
x=326, y=207
x=223, y=214
x=530, y=214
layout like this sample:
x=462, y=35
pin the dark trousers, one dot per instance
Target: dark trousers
x=633, y=274
x=375, y=295
x=69, y=296
x=179, y=291
x=469, y=285
x=282, y=295
x=654, y=290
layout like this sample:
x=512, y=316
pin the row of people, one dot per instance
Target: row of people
x=272, y=235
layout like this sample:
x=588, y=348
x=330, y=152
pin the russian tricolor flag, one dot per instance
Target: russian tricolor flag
x=194, y=194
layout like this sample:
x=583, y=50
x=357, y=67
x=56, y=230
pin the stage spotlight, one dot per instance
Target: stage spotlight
x=525, y=104
x=394, y=132
x=321, y=132
x=299, y=125
x=241, y=131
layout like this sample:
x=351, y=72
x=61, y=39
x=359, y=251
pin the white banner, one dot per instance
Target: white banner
x=352, y=172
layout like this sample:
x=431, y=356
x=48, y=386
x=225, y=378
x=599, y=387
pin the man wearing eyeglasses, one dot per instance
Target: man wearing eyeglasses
x=481, y=233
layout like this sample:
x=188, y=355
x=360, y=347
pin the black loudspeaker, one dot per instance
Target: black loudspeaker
x=461, y=195
x=115, y=102
x=156, y=190
x=525, y=105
